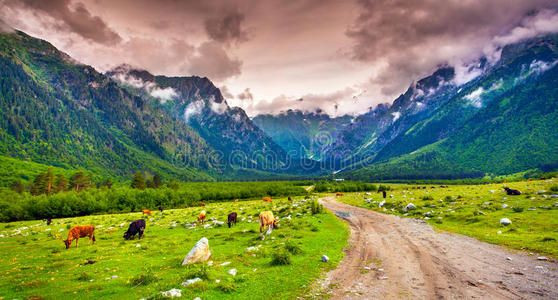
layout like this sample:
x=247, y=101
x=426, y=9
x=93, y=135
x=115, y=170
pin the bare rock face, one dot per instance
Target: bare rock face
x=200, y=252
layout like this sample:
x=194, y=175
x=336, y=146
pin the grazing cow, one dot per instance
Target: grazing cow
x=384, y=194
x=79, y=232
x=138, y=226
x=160, y=208
x=49, y=221
x=146, y=212
x=235, y=200
x=339, y=194
x=232, y=219
x=201, y=217
x=267, y=199
x=290, y=199
x=267, y=220
x=512, y=192
x=201, y=204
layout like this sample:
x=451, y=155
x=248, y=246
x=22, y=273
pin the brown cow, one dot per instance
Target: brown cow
x=146, y=212
x=267, y=219
x=201, y=217
x=79, y=232
x=267, y=199
x=339, y=194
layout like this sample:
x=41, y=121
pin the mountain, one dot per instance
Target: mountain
x=502, y=122
x=60, y=112
x=303, y=135
x=371, y=132
x=198, y=103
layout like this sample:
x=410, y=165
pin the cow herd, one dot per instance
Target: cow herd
x=137, y=227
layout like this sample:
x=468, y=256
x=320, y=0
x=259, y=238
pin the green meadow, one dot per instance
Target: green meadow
x=35, y=263
x=476, y=211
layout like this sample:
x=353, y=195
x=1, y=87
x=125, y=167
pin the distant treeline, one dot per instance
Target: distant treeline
x=344, y=186
x=105, y=199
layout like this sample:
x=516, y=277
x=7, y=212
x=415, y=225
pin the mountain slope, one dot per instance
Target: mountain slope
x=503, y=122
x=302, y=135
x=197, y=102
x=57, y=111
x=362, y=140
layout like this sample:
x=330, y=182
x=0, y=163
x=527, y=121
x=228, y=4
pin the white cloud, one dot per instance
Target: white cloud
x=193, y=108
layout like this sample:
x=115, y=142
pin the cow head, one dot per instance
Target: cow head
x=67, y=243
x=126, y=235
x=275, y=223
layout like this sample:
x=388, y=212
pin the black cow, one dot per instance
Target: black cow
x=49, y=221
x=232, y=219
x=138, y=226
x=160, y=208
x=512, y=192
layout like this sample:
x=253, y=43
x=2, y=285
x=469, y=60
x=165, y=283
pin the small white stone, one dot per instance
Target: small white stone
x=191, y=281
x=225, y=263
x=232, y=272
x=325, y=258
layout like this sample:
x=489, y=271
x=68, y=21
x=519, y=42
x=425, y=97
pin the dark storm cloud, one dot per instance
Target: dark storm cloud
x=226, y=27
x=75, y=18
x=213, y=61
x=412, y=38
x=246, y=95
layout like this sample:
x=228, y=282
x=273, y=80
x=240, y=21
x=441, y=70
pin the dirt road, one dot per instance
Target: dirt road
x=397, y=258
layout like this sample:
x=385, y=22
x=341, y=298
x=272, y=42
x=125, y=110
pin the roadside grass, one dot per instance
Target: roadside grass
x=34, y=261
x=476, y=210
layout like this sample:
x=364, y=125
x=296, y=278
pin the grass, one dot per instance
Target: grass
x=34, y=262
x=476, y=210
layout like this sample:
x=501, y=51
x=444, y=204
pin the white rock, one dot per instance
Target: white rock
x=200, y=252
x=508, y=258
x=138, y=246
x=383, y=278
x=197, y=298
x=504, y=205
x=249, y=249
x=553, y=196
x=505, y=221
x=191, y=281
x=325, y=258
x=232, y=272
x=115, y=276
x=225, y=263
x=173, y=293
x=268, y=232
x=382, y=203
x=410, y=206
x=542, y=258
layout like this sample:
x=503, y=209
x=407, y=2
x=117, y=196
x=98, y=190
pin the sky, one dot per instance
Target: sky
x=340, y=57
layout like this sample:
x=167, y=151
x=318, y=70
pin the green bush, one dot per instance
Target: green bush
x=280, y=258
x=316, y=207
x=554, y=188
x=145, y=278
x=292, y=248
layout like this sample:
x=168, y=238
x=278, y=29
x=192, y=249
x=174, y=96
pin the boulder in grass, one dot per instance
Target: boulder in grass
x=173, y=293
x=325, y=258
x=505, y=221
x=191, y=281
x=199, y=253
x=410, y=206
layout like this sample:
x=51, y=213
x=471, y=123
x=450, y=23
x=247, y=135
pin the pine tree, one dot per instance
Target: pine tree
x=17, y=186
x=157, y=181
x=139, y=181
x=78, y=181
x=61, y=183
x=49, y=181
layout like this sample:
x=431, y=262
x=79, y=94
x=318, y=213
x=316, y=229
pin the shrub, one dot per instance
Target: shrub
x=84, y=277
x=280, y=258
x=293, y=248
x=427, y=198
x=517, y=209
x=316, y=207
x=145, y=278
x=554, y=188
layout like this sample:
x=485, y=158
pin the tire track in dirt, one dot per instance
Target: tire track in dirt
x=392, y=257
